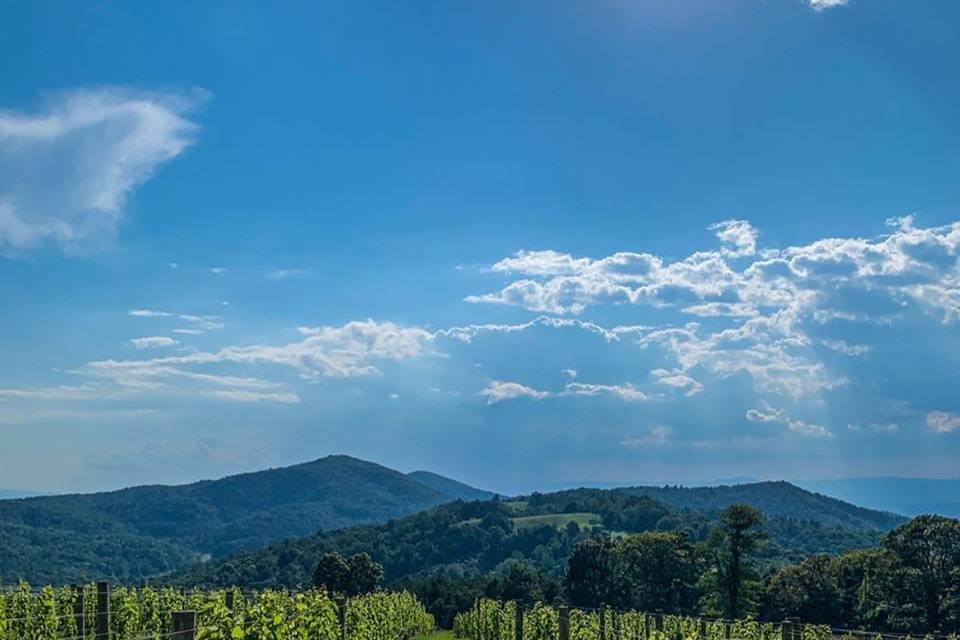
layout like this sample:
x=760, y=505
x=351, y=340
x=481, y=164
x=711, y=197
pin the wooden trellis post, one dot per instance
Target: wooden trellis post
x=184, y=625
x=103, y=611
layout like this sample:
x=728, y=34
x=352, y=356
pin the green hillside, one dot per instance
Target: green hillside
x=142, y=531
x=471, y=538
x=449, y=487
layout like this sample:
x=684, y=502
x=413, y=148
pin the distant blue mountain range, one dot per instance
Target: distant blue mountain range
x=906, y=496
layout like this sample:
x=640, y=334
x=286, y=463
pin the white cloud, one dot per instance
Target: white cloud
x=570, y=373
x=148, y=313
x=679, y=380
x=469, y=332
x=768, y=308
x=67, y=171
x=243, y=395
x=841, y=346
x=821, y=5
x=943, y=422
x=286, y=274
x=622, y=391
x=218, y=270
x=498, y=391
x=153, y=342
x=770, y=415
x=738, y=237
x=200, y=323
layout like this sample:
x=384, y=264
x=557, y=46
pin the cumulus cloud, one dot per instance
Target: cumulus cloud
x=67, y=170
x=767, y=308
x=737, y=237
x=943, y=422
x=153, y=342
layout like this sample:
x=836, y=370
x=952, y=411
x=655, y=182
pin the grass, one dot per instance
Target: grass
x=584, y=520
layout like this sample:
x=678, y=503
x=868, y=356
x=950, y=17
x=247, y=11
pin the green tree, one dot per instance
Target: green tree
x=808, y=590
x=592, y=579
x=659, y=571
x=365, y=575
x=520, y=580
x=349, y=577
x=331, y=573
x=733, y=581
x=926, y=561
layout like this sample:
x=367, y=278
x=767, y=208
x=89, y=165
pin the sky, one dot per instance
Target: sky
x=517, y=243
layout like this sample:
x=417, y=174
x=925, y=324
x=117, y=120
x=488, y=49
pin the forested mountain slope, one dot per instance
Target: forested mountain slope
x=138, y=532
x=473, y=537
x=450, y=487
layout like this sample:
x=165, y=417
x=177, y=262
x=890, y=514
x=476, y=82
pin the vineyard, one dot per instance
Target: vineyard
x=494, y=620
x=96, y=612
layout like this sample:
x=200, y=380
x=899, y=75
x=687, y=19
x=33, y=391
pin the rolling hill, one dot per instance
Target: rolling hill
x=139, y=532
x=449, y=487
x=909, y=496
x=470, y=538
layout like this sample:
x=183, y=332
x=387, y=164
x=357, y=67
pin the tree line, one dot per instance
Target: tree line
x=909, y=583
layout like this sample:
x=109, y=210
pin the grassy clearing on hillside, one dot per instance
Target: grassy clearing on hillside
x=584, y=520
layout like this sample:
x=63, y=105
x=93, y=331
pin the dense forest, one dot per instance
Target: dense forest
x=908, y=583
x=472, y=538
x=132, y=534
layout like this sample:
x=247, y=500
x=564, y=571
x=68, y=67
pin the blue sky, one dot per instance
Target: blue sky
x=517, y=243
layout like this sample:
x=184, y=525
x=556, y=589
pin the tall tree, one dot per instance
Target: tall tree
x=365, y=575
x=349, y=577
x=808, y=590
x=731, y=548
x=331, y=573
x=659, y=571
x=592, y=579
x=926, y=558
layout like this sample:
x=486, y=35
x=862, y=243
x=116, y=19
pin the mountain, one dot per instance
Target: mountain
x=7, y=494
x=908, y=496
x=449, y=487
x=469, y=538
x=773, y=499
x=138, y=532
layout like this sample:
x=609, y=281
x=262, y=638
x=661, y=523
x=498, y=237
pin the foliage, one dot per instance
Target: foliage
x=147, y=614
x=136, y=533
x=732, y=581
x=351, y=576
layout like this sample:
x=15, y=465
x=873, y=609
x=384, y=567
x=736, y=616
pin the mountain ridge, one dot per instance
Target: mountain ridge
x=173, y=525
x=472, y=537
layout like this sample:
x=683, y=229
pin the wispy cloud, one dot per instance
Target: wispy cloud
x=67, y=170
x=498, y=390
x=199, y=323
x=821, y=5
x=657, y=435
x=153, y=342
x=287, y=274
x=770, y=415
